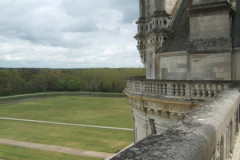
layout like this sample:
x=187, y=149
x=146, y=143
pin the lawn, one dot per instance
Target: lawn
x=19, y=153
x=104, y=111
x=103, y=140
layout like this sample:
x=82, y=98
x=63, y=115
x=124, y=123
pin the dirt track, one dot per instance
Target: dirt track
x=66, y=150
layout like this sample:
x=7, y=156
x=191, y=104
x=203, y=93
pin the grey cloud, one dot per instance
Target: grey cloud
x=96, y=31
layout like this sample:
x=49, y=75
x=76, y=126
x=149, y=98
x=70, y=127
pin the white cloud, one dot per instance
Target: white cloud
x=68, y=33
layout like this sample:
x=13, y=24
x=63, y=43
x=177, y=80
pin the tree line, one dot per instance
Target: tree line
x=33, y=80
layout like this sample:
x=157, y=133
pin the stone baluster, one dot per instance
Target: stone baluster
x=170, y=89
x=214, y=89
x=134, y=86
x=177, y=89
x=148, y=86
x=209, y=90
x=141, y=87
x=151, y=87
x=193, y=91
x=188, y=90
x=182, y=90
x=198, y=90
x=203, y=89
x=145, y=87
x=158, y=88
x=165, y=89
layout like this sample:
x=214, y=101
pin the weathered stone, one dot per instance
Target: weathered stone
x=187, y=49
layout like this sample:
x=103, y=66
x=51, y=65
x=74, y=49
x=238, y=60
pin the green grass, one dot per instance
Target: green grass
x=104, y=111
x=103, y=140
x=19, y=153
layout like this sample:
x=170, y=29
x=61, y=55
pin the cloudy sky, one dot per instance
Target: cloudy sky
x=68, y=33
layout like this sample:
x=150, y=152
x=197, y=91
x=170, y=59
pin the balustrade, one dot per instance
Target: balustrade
x=198, y=90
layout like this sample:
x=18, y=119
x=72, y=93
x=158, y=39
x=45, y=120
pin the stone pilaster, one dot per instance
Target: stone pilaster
x=141, y=9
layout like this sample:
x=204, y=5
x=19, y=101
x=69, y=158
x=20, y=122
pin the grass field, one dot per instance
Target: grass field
x=74, y=137
x=19, y=153
x=104, y=111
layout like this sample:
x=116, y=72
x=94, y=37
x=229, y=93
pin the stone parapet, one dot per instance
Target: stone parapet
x=208, y=132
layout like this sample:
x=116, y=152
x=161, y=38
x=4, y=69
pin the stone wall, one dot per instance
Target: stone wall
x=185, y=66
x=170, y=5
x=208, y=132
x=210, y=26
x=155, y=117
x=210, y=66
x=173, y=66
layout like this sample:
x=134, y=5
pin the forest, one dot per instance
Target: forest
x=34, y=80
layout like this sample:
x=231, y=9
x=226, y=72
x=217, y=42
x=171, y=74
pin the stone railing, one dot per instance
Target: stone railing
x=208, y=132
x=188, y=90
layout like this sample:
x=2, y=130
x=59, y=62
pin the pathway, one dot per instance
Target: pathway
x=60, y=149
x=66, y=124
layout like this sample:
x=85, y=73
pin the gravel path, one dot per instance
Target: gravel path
x=66, y=150
x=66, y=124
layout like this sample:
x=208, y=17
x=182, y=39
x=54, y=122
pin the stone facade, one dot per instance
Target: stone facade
x=180, y=42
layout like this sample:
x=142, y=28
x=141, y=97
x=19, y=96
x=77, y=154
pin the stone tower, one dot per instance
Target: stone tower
x=190, y=51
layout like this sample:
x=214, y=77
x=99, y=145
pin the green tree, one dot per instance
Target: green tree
x=73, y=85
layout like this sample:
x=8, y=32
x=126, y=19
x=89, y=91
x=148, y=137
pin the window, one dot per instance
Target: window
x=153, y=127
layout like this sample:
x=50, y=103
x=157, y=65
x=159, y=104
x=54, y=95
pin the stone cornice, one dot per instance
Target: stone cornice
x=164, y=101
